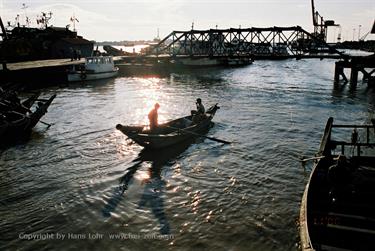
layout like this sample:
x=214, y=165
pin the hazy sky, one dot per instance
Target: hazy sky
x=140, y=19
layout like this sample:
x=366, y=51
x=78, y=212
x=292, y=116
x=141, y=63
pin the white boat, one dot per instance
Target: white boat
x=94, y=68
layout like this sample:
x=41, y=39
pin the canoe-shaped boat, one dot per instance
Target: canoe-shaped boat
x=170, y=133
x=338, y=206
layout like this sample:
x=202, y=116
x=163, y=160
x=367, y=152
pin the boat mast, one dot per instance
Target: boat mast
x=3, y=33
x=27, y=20
x=73, y=19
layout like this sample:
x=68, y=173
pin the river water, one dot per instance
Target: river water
x=83, y=185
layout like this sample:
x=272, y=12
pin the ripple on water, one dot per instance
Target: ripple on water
x=83, y=176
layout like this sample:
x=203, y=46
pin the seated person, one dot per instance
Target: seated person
x=200, y=113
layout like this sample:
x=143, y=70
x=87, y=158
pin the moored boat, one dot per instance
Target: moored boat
x=170, y=133
x=10, y=102
x=24, y=43
x=211, y=61
x=15, y=124
x=338, y=206
x=99, y=67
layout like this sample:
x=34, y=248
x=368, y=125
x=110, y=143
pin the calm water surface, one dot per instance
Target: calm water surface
x=83, y=179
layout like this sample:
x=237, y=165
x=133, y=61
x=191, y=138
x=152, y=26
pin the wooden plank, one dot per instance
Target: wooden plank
x=43, y=63
x=343, y=143
x=352, y=229
x=354, y=126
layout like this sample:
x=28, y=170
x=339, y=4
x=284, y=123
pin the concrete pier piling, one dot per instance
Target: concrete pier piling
x=363, y=64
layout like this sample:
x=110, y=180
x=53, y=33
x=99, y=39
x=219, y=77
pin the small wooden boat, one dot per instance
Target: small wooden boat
x=170, y=133
x=14, y=124
x=338, y=206
x=7, y=105
x=94, y=68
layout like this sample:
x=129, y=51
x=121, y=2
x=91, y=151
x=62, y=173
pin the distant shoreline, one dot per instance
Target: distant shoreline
x=126, y=43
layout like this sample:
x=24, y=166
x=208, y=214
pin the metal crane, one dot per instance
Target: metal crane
x=372, y=31
x=320, y=25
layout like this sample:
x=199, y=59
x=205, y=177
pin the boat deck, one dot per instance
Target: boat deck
x=342, y=214
x=338, y=206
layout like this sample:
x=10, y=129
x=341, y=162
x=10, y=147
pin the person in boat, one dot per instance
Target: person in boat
x=339, y=172
x=153, y=117
x=200, y=113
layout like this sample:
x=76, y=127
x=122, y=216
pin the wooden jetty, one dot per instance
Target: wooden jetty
x=39, y=71
x=36, y=71
x=41, y=64
x=363, y=64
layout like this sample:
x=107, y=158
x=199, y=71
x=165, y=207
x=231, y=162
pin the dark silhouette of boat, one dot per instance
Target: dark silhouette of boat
x=29, y=43
x=170, y=133
x=338, y=206
x=17, y=120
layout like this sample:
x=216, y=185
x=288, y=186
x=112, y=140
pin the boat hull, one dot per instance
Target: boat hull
x=207, y=62
x=82, y=76
x=22, y=125
x=168, y=134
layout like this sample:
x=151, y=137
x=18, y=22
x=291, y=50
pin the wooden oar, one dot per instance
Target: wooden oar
x=48, y=125
x=201, y=135
x=312, y=158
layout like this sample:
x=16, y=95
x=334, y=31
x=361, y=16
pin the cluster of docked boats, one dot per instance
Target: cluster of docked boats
x=17, y=117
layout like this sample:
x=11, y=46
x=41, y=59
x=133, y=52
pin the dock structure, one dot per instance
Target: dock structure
x=259, y=43
x=39, y=70
x=363, y=64
x=36, y=71
x=42, y=63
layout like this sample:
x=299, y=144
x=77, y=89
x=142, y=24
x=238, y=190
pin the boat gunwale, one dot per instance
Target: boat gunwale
x=140, y=138
x=305, y=239
x=93, y=73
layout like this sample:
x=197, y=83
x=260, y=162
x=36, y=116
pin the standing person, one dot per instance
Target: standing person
x=153, y=117
x=79, y=55
x=71, y=54
x=75, y=56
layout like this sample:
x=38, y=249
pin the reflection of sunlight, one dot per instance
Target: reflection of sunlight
x=195, y=201
x=209, y=216
x=143, y=176
x=150, y=93
x=177, y=170
x=124, y=148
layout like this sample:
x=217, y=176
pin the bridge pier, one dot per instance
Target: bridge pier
x=354, y=76
x=339, y=71
x=356, y=65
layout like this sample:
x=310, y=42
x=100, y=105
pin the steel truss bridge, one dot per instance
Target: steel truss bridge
x=273, y=42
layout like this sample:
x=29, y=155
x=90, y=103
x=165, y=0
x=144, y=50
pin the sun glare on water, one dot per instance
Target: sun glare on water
x=150, y=94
